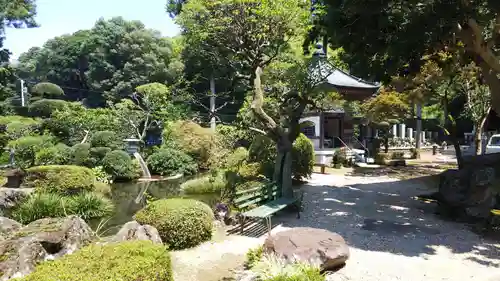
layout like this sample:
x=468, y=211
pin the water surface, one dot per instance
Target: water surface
x=130, y=197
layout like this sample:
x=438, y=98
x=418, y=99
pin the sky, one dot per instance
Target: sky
x=58, y=17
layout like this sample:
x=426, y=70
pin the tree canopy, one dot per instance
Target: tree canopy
x=104, y=63
x=383, y=39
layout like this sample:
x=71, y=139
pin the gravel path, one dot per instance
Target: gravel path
x=393, y=237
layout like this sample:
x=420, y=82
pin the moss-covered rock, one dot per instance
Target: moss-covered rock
x=64, y=179
x=39, y=240
x=125, y=261
x=182, y=223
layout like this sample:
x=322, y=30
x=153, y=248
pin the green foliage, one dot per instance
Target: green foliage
x=119, y=165
x=273, y=268
x=26, y=148
x=46, y=107
x=90, y=205
x=120, y=55
x=64, y=179
x=182, y=223
x=381, y=158
x=80, y=154
x=232, y=136
x=16, y=127
x=101, y=175
x=97, y=154
x=388, y=106
x=263, y=151
x=169, y=162
x=199, y=142
x=46, y=89
x=237, y=157
x=303, y=157
x=87, y=205
x=249, y=171
x=125, y=261
x=253, y=256
x=60, y=154
x=39, y=205
x=107, y=139
x=215, y=182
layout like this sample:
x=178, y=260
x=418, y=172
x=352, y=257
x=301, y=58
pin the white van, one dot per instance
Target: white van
x=493, y=145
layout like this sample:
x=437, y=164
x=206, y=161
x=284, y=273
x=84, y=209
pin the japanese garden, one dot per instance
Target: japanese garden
x=269, y=140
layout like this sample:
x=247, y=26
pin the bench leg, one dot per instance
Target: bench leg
x=269, y=225
x=322, y=169
x=242, y=224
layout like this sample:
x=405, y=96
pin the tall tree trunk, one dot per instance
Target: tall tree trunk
x=478, y=139
x=478, y=134
x=283, y=165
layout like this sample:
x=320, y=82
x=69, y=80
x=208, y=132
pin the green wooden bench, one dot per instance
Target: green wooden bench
x=268, y=200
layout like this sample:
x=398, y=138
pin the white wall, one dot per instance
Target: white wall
x=315, y=120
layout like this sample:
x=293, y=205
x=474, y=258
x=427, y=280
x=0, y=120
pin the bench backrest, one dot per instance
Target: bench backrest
x=256, y=196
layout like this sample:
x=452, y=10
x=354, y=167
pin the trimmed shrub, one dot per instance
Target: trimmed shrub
x=45, y=107
x=381, y=157
x=209, y=184
x=106, y=139
x=124, y=261
x=26, y=148
x=169, y=162
x=263, y=151
x=47, y=89
x=119, y=165
x=397, y=155
x=182, y=223
x=64, y=179
x=97, y=154
x=86, y=205
x=302, y=158
x=80, y=155
x=55, y=155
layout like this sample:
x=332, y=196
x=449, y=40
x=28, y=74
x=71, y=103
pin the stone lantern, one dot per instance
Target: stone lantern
x=133, y=145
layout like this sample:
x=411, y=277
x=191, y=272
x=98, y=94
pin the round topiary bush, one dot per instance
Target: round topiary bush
x=45, y=107
x=26, y=148
x=106, y=139
x=119, y=165
x=169, y=162
x=182, y=223
x=80, y=154
x=55, y=155
x=125, y=261
x=64, y=179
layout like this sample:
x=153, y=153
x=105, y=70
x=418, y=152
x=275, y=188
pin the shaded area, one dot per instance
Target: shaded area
x=383, y=217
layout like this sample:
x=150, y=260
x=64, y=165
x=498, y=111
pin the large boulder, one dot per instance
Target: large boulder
x=7, y=227
x=134, y=231
x=10, y=197
x=40, y=240
x=318, y=247
x=467, y=192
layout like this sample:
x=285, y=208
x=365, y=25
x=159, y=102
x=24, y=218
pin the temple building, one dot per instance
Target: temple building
x=335, y=128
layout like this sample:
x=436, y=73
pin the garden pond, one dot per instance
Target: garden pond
x=130, y=197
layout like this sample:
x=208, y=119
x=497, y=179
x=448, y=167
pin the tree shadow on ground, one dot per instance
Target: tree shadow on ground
x=384, y=217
